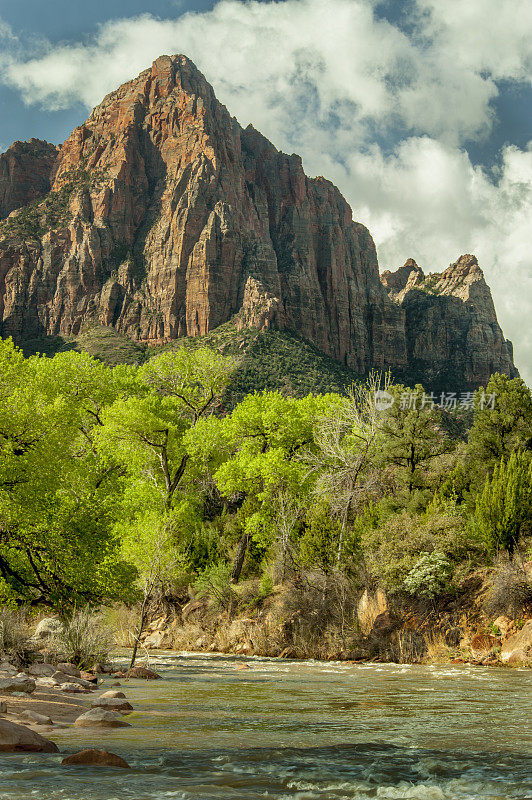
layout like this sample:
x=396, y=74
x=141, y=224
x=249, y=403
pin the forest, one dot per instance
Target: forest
x=130, y=483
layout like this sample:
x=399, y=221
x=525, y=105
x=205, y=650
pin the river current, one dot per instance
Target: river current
x=303, y=730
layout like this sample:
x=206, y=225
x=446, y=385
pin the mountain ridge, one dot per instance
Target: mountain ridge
x=164, y=218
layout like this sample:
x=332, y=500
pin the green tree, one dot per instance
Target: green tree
x=502, y=426
x=504, y=505
x=263, y=439
x=57, y=500
x=412, y=434
x=145, y=431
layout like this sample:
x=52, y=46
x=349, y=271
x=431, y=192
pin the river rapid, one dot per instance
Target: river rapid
x=303, y=730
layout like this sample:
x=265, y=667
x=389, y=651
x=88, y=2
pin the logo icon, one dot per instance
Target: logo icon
x=383, y=400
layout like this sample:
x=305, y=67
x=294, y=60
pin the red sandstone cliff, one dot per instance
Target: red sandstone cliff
x=165, y=218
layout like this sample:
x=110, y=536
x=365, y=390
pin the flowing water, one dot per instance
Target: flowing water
x=304, y=730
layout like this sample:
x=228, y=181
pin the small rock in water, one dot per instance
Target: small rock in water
x=89, y=676
x=95, y=758
x=142, y=672
x=38, y=719
x=116, y=683
x=3, y=707
x=242, y=666
x=113, y=704
x=113, y=693
x=17, y=738
x=100, y=718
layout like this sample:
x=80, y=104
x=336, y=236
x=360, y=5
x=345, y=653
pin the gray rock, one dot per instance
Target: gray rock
x=42, y=670
x=38, y=719
x=18, y=683
x=73, y=688
x=113, y=704
x=100, y=718
x=69, y=669
x=7, y=668
x=17, y=738
x=61, y=677
x=3, y=707
x=113, y=693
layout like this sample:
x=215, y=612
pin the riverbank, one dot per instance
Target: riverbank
x=302, y=622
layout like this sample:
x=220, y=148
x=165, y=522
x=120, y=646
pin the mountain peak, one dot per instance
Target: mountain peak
x=166, y=219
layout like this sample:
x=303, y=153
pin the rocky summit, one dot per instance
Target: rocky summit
x=162, y=217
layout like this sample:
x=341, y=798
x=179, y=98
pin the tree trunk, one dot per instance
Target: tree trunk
x=240, y=555
x=142, y=621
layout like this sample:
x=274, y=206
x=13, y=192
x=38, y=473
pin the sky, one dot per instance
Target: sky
x=419, y=110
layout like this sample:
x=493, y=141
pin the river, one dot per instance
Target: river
x=300, y=729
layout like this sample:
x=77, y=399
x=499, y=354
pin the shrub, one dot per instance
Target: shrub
x=510, y=590
x=215, y=581
x=429, y=576
x=393, y=549
x=14, y=634
x=85, y=641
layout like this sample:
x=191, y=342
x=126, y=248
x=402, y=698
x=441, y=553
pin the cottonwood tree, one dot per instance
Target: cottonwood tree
x=263, y=438
x=145, y=432
x=148, y=544
x=345, y=458
x=57, y=499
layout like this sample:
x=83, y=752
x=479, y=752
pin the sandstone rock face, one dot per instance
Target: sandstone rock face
x=518, y=648
x=453, y=338
x=25, y=174
x=165, y=218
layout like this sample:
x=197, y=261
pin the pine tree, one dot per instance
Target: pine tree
x=504, y=506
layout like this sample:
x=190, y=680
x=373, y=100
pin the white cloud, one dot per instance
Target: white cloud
x=330, y=80
x=327, y=56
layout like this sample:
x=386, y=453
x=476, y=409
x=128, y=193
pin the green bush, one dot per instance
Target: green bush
x=392, y=550
x=429, y=576
x=215, y=582
x=85, y=641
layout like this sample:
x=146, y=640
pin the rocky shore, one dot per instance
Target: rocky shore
x=37, y=700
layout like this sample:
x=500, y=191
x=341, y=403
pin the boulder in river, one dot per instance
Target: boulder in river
x=74, y=688
x=113, y=704
x=17, y=738
x=42, y=670
x=101, y=718
x=142, y=672
x=95, y=758
x=113, y=693
x=35, y=717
